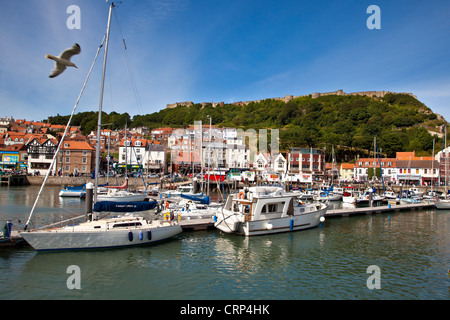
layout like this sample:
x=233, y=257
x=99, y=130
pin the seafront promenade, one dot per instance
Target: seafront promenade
x=73, y=181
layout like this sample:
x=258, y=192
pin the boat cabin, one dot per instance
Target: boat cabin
x=257, y=203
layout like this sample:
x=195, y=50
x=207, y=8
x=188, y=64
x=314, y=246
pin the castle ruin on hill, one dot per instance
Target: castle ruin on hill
x=287, y=98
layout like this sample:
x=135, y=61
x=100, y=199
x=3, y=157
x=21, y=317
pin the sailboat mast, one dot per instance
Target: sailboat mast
x=446, y=160
x=100, y=105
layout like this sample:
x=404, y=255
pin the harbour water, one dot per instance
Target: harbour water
x=411, y=250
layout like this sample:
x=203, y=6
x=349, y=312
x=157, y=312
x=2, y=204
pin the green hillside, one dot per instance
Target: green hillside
x=349, y=123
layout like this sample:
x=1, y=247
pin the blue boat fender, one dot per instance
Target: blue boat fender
x=130, y=236
x=291, y=224
x=141, y=235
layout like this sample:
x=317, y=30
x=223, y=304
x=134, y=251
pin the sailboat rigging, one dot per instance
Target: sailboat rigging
x=103, y=233
x=63, y=137
x=444, y=203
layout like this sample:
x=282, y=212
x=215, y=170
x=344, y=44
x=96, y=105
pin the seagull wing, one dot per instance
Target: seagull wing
x=68, y=53
x=57, y=70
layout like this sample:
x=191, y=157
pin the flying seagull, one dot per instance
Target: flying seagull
x=63, y=60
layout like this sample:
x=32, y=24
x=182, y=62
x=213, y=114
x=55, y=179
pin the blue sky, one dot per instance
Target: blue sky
x=202, y=51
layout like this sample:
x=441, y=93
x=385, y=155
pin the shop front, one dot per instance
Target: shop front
x=9, y=161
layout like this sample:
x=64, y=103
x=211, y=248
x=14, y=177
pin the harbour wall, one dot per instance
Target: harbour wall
x=138, y=183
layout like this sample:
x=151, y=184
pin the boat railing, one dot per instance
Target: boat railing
x=61, y=223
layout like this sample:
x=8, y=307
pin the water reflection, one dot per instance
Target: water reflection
x=412, y=249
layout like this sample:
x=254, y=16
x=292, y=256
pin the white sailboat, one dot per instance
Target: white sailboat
x=125, y=230
x=267, y=210
x=119, y=194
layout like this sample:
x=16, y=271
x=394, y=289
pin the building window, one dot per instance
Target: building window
x=67, y=152
x=67, y=160
x=84, y=160
x=84, y=152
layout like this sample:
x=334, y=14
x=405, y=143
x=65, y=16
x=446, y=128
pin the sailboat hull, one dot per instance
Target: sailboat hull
x=76, y=240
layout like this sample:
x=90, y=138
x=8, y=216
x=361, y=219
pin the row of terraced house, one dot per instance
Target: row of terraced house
x=29, y=147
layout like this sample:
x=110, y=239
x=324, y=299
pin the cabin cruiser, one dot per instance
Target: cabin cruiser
x=349, y=195
x=327, y=196
x=390, y=195
x=417, y=191
x=265, y=210
x=189, y=209
x=369, y=195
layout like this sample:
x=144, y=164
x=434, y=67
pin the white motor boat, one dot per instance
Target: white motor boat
x=307, y=195
x=120, y=195
x=327, y=196
x=389, y=194
x=75, y=192
x=349, y=195
x=188, y=210
x=417, y=191
x=266, y=210
x=103, y=233
x=443, y=204
x=369, y=195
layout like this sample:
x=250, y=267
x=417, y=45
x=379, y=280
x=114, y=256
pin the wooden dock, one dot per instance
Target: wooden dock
x=13, y=180
x=379, y=209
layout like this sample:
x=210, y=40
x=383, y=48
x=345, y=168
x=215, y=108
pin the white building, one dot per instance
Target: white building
x=279, y=164
x=261, y=162
x=40, y=155
x=154, y=159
